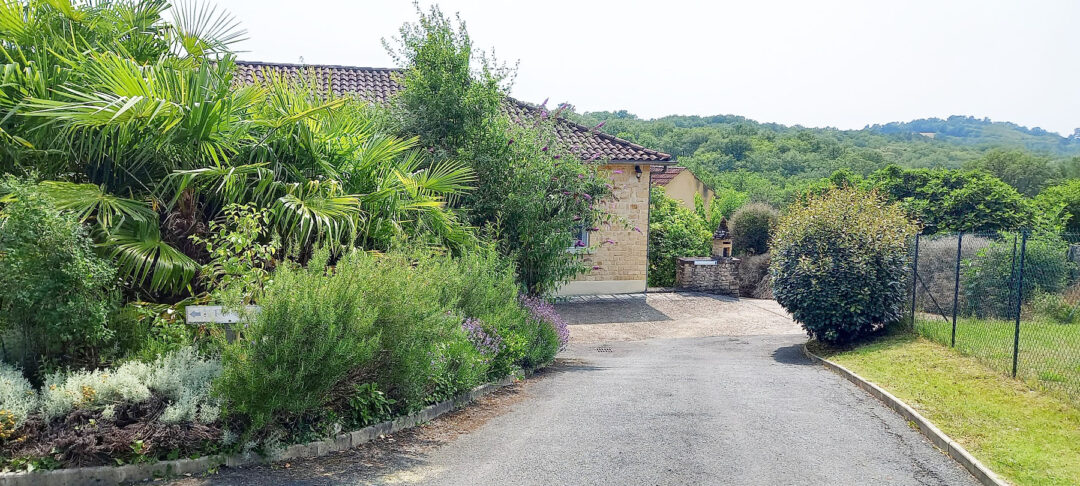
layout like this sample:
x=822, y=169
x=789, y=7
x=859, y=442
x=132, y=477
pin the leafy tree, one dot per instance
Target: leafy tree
x=947, y=200
x=530, y=193
x=839, y=263
x=1025, y=172
x=1063, y=200
x=674, y=231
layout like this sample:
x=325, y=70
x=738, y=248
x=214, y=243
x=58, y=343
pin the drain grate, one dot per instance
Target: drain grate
x=603, y=348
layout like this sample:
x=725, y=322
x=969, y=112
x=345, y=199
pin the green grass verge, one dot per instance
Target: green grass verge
x=1026, y=436
x=1049, y=352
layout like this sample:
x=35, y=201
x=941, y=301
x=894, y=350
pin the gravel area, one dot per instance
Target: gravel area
x=674, y=315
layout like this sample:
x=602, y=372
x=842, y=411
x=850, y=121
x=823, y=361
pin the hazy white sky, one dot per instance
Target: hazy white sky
x=815, y=63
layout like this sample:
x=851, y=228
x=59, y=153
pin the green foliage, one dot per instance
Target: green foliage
x=1055, y=308
x=55, y=292
x=780, y=161
x=724, y=204
x=989, y=277
x=1027, y=173
x=751, y=227
x=530, y=193
x=368, y=405
x=946, y=201
x=674, y=232
x=1063, y=200
x=839, y=263
x=145, y=330
x=238, y=267
x=447, y=99
x=424, y=353
x=139, y=126
x=316, y=326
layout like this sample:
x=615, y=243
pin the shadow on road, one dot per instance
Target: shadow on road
x=631, y=310
x=792, y=355
x=568, y=365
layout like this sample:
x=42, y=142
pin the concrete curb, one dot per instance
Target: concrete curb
x=936, y=436
x=110, y=475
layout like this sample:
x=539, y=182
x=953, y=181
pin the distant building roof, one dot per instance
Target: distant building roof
x=378, y=85
x=663, y=175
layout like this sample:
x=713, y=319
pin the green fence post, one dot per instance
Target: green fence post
x=956, y=289
x=914, y=279
x=1019, y=300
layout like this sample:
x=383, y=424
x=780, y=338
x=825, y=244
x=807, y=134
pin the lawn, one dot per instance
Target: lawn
x=1024, y=435
x=1049, y=352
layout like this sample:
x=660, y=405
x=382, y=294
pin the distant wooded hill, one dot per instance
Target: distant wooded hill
x=771, y=162
x=982, y=131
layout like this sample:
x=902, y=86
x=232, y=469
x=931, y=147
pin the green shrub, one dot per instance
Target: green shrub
x=55, y=291
x=751, y=226
x=368, y=405
x=314, y=328
x=839, y=263
x=989, y=278
x=424, y=353
x=674, y=231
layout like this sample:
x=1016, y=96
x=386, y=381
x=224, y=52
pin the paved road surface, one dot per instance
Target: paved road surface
x=731, y=400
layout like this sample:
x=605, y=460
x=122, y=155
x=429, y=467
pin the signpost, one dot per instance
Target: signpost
x=215, y=314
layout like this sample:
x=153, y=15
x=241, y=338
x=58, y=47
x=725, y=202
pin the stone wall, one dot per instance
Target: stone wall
x=620, y=251
x=711, y=275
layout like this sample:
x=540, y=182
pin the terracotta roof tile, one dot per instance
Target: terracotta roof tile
x=378, y=85
x=661, y=177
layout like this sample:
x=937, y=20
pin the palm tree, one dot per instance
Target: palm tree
x=135, y=123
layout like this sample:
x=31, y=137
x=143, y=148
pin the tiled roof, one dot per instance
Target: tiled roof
x=661, y=175
x=377, y=85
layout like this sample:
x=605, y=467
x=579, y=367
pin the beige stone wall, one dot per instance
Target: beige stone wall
x=684, y=186
x=626, y=257
x=712, y=275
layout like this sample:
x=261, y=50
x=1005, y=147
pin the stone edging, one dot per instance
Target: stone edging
x=936, y=436
x=108, y=475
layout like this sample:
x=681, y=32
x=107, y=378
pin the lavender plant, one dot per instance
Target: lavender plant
x=544, y=312
x=489, y=344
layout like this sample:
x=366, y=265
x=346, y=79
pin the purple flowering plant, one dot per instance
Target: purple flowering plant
x=487, y=342
x=545, y=313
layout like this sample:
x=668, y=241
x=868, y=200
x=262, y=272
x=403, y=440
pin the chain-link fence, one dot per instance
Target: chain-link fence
x=1011, y=299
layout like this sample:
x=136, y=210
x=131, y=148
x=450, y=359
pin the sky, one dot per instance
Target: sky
x=834, y=63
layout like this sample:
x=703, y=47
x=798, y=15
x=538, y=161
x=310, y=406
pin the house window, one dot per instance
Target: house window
x=581, y=238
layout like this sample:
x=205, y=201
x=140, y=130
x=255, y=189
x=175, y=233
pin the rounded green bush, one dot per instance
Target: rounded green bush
x=839, y=263
x=751, y=227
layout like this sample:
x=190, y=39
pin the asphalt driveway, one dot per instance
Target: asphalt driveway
x=676, y=389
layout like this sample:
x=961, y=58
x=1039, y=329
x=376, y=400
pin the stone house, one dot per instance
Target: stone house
x=618, y=267
x=680, y=183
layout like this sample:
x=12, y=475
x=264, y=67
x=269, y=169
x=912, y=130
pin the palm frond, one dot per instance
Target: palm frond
x=89, y=201
x=316, y=212
x=201, y=30
x=143, y=256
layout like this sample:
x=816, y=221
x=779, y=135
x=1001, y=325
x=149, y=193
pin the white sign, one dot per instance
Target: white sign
x=704, y=262
x=215, y=313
